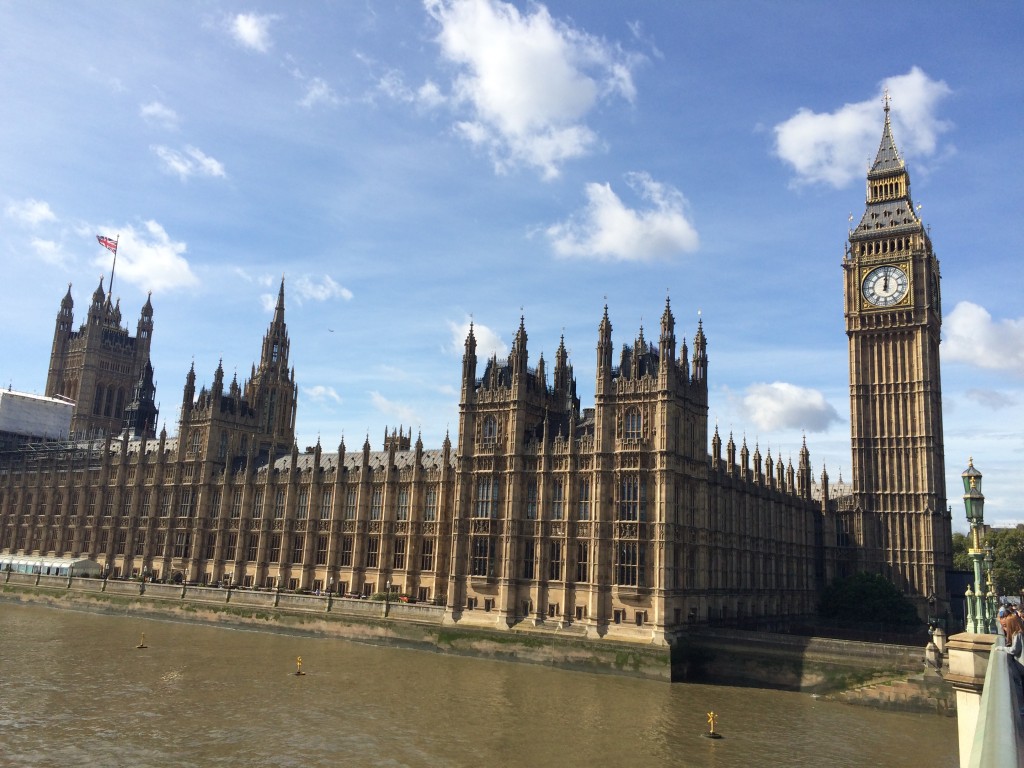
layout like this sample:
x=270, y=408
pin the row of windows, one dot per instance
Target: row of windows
x=630, y=557
x=182, y=547
x=632, y=501
x=555, y=564
x=630, y=561
x=632, y=428
x=632, y=498
x=187, y=498
x=108, y=401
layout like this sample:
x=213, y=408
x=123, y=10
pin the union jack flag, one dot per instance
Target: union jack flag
x=106, y=242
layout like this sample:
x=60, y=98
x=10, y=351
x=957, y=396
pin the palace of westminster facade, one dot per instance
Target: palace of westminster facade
x=613, y=519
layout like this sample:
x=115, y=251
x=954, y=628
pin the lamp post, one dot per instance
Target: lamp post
x=980, y=606
x=992, y=600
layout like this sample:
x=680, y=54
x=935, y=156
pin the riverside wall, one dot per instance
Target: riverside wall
x=717, y=656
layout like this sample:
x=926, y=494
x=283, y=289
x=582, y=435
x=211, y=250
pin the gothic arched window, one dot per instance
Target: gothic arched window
x=632, y=429
x=489, y=433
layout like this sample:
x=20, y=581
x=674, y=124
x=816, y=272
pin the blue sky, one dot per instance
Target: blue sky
x=409, y=166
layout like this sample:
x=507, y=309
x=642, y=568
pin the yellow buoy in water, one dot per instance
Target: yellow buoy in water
x=712, y=720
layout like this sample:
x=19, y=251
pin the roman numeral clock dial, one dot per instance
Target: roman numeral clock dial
x=885, y=286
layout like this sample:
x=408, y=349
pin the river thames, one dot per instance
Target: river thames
x=74, y=690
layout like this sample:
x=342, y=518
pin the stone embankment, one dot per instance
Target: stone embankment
x=884, y=676
x=410, y=625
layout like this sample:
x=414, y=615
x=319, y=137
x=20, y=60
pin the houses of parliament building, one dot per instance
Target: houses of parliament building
x=614, y=520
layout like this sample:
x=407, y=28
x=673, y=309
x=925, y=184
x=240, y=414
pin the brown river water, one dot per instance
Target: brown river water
x=75, y=691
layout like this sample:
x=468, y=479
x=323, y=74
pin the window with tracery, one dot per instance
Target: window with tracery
x=633, y=424
x=632, y=498
x=486, y=498
x=489, y=432
x=630, y=564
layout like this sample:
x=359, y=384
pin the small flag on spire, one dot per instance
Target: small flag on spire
x=106, y=242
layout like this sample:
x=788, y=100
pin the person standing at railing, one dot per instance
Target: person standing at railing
x=1013, y=629
x=1012, y=626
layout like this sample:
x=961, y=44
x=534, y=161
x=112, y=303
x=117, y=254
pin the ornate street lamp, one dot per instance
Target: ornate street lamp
x=993, y=599
x=981, y=611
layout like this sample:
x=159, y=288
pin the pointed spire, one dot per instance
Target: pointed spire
x=469, y=366
x=218, y=377
x=67, y=302
x=700, y=352
x=604, y=352
x=605, y=328
x=279, y=309
x=888, y=158
x=668, y=321
x=98, y=296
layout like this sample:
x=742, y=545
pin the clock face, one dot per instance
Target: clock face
x=885, y=286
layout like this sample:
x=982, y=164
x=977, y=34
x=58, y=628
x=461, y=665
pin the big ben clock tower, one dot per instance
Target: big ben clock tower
x=900, y=521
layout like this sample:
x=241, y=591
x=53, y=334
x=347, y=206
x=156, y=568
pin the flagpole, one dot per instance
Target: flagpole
x=111, y=287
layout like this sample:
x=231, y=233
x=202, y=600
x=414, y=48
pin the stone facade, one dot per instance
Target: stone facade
x=100, y=365
x=898, y=523
x=609, y=521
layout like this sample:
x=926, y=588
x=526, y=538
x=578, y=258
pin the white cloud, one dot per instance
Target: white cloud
x=159, y=114
x=488, y=343
x=786, y=406
x=49, y=251
x=306, y=288
x=991, y=399
x=148, y=258
x=393, y=85
x=834, y=147
x=321, y=393
x=404, y=413
x=609, y=230
x=528, y=80
x=191, y=162
x=429, y=94
x=268, y=301
x=30, y=211
x=252, y=31
x=318, y=92
x=972, y=337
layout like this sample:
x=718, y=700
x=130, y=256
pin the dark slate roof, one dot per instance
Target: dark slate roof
x=888, y=160
x=889, y=217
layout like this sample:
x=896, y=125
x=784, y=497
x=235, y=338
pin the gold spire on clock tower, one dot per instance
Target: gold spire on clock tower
x=899, y=520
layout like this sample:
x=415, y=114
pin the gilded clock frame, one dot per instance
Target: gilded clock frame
x=867, y=269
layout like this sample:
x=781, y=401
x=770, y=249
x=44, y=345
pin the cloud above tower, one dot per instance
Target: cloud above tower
x=608, y=229
x=833, y=147
x=147, y=257
x=252, y=30
x=786, y=406
x=526, y=81
x=188, y=162
x=971, y=336
x=30, y=212
x=488, y=342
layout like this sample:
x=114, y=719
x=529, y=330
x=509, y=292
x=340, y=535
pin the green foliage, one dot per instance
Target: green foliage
x=1007, y=553
x=961, y=560
x=868, y=599
x=1008, y=565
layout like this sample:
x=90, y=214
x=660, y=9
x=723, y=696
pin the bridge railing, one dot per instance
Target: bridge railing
x=999, y=733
